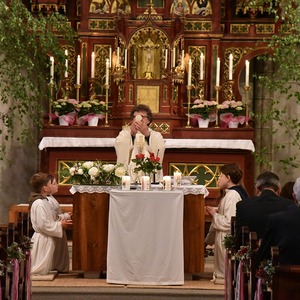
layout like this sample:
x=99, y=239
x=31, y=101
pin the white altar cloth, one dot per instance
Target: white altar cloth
x=145, y=238
x=186, y=189
x=69, y=142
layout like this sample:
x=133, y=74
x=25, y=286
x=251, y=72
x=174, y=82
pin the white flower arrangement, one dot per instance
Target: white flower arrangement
x=95, y=172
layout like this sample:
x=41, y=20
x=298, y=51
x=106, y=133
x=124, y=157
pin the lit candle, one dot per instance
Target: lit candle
x=177, y=178
x=118, y=56
x=247, y=73
x=66, y=64
x=190, y=73
x=230, y=66
x=201, y=66
x=93, y=65
x=166, y=58
x=78, y=69
x=145, y=183
x=174, y=58
x=125, y=59
x=126, y=183
x=52, y=69
x=107, y=72
x=182, y=58
x=167, y=183
x=218, y=72
x=110, y=54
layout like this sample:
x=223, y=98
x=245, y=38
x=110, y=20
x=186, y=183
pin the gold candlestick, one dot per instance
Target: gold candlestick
x=77, y=87
x=189, y=87
x=67, y=87
x=201, y=90
x=106, y=86
x=230, y=91
x=50, y=102
x=92, y=93
x=247, y=89
x=217, y=89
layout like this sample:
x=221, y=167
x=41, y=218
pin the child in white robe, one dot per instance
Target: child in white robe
x=46, y=226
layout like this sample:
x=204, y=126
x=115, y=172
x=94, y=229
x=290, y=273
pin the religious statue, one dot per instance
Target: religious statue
x=148, y=57
x=99, y=7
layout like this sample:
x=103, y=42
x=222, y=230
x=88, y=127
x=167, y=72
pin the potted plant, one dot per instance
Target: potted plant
x=90, y=110
x=232, y=113
x=65, y=110
x=203, y=111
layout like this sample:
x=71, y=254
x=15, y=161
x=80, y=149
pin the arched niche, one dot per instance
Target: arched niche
x=147, y=50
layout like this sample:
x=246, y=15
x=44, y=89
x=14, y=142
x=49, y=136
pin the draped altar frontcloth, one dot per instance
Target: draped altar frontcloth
x=145, y=238
x=69, y=142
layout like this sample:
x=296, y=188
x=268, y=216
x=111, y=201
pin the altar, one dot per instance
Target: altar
x=90, y=228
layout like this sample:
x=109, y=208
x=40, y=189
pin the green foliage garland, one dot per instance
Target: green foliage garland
x=26, y=42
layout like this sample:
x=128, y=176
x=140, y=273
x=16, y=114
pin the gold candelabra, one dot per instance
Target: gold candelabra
x=106, y=86
x=188, y=125
x=217, y=89
x=247, y=89
x=178, y=74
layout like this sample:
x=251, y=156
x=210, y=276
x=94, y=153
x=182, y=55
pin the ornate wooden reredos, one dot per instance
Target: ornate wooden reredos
x=146, y=40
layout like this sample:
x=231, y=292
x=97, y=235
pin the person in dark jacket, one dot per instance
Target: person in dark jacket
x=283, y=230
x=254, y=212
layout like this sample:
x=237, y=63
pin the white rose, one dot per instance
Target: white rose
x=93, y=171
x=108, y=167
x=80, y=171
x=120, y=171
x=87, y=164
x=72, y=171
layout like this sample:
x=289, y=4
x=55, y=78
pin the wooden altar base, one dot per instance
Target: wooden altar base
x=90, y=230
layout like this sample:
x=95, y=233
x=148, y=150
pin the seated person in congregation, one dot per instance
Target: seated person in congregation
x=139, y=138
x=254, y=212
x=48, y=228
x=283, y=231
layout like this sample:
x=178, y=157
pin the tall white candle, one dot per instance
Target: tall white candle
x=125, y=59
x=201, y=66
x=107, y=72
x=78, y=69
x=66, y=64
x=93, y=65
x=190, y=73
x=174, y=57
x=51, y=69
x=182, y=58
x=118, y=56
x=247, y=73
x=110, y=54
x=166, y=58
x=230, y=66
x=218, y=72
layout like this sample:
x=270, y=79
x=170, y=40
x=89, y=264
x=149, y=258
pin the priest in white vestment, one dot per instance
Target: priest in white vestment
x=139, y=138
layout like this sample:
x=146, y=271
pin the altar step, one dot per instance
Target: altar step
x=93, y=293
